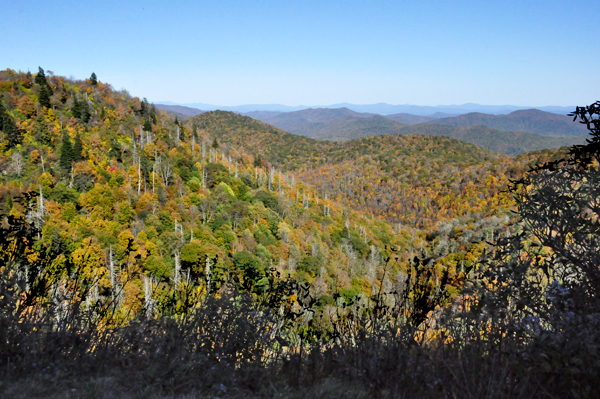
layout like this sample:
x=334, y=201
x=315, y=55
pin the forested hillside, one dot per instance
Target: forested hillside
x=529, y=120
x=145, y=255
x=292, y=121
x=505, y=142
x=133, y=197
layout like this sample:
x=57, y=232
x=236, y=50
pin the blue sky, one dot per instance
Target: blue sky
x=316, y=52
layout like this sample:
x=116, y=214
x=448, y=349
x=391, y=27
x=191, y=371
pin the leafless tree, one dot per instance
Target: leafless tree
x=17, y=164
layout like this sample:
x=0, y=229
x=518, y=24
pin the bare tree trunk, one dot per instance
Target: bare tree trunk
x=208, y=274
x=177, y=278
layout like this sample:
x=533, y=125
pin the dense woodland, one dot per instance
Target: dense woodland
x=133, y=239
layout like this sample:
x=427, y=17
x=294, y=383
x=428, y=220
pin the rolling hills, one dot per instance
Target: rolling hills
x=530, y=120
x=400, y=178
x=180, y=109
x=380, y=108
x=411, y=119
x=125, y=194
x=505, y=142
x=293, y=121
x=512, y=134
x=138, y=251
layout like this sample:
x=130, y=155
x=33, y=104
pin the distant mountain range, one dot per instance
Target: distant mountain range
x=515, y=133
x=530, y=120
x=305, y=121
x=512, y=134
x=180, y=109
x=505, y=142
x=380, y=108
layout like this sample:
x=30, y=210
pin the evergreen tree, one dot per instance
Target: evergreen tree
x=78, y=149
x=40, y=78
x=66, y=152
x=215, y=144
x=153, y=114
x=76, y=109
x=85, y=111
x=94, y=79
x=144, y=108
x=147, y=125
x=44, y=97
x=45, y=89
x=8, y=126
x=80, y=109
x=145, y=167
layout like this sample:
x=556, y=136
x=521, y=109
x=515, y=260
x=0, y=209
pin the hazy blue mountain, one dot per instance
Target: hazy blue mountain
x=264, y=116
x=180, y=109
x=387, y=109
x=438, y=115
x=510, y=143
x=293, y=122
x=381, y=108
x=531, y=120
x=409, y=118
x=512, y=134
x=350, y=127
x=247, y=107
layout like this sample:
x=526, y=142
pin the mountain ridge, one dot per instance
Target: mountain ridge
x=379, y=108
x=343, y=124
x=531, y=120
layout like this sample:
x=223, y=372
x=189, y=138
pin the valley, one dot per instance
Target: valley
x=515, y=133
x=259, y=239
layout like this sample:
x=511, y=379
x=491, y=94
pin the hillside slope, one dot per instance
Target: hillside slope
x=396, y=177
x=505, y=142
x=128, y=196
x=180, y=109
x=531, y=120
x=350, y=127
x=410, y=119
x=293, y=121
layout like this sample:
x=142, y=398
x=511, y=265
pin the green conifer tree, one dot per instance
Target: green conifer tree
x=85, y=111
x=44, y=97
x=94, y=79
x=143, y=108
x=215, y=143
x=78, y=149
x=66, y=152
x=11, y=132
x=76, y=108
x=45, y=89
x=145, y=167
x=40, y=78
x=153, y=114
x=147, y=125
x=81, y=110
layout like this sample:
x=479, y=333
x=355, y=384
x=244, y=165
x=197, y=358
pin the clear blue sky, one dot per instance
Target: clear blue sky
x=524, y=52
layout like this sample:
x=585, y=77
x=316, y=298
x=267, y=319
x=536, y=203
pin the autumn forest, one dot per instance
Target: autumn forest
x=147, y=255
